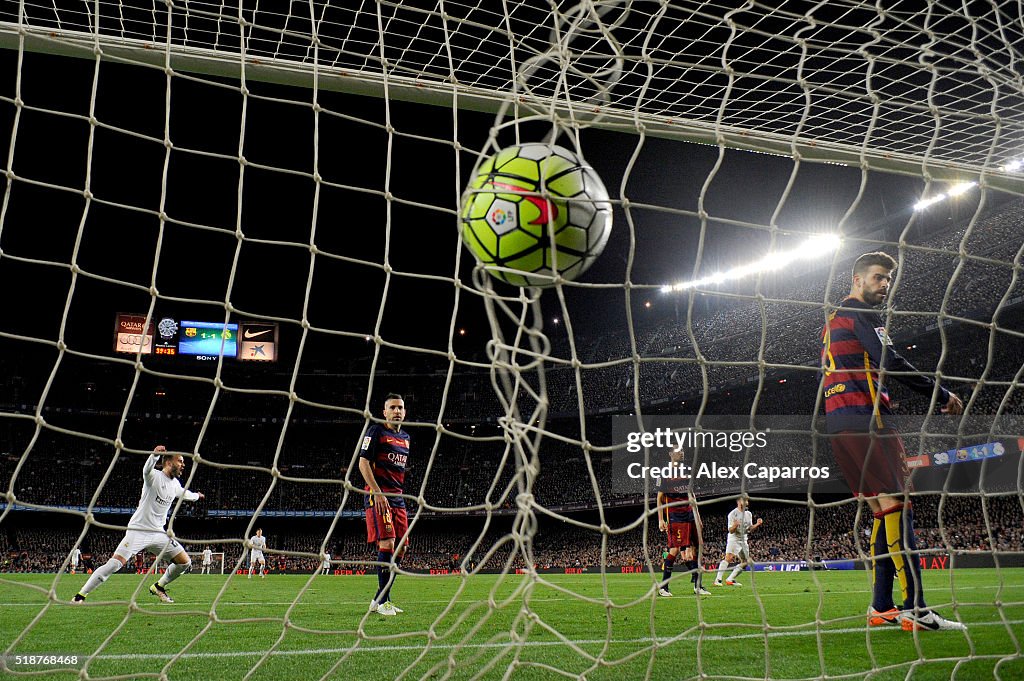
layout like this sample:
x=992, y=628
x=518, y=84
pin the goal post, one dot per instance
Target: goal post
x=216, y=563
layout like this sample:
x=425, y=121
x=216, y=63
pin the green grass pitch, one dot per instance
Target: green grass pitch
x=783, y=625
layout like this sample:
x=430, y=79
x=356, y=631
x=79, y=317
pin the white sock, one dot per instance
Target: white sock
x=173, y=572
x=736, y=571
x=100, y=575
x=721, y=568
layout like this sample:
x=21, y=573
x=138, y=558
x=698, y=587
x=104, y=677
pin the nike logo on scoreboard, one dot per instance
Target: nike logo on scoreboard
x=258, y=342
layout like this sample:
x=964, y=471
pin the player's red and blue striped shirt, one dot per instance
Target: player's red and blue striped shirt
x=677, y=499
x=852, y=342
x=388, y=452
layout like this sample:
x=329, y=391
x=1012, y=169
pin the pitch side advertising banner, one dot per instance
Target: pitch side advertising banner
x=129, y=334
x=798, y=565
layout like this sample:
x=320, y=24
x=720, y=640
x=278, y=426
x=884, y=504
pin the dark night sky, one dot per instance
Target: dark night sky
x=198, y=245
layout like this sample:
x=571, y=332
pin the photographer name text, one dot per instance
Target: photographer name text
x=715, y=471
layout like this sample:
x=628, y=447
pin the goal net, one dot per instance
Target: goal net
x=265, y=201
x=199, y=564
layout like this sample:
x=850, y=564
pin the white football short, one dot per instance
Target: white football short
x=157, y=543
x=256, y=557
x=737, y=547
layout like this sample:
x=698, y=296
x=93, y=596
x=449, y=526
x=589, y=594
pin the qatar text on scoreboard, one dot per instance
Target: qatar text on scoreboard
x=201, y=340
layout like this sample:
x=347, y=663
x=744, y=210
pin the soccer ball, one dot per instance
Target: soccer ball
x=520, y=198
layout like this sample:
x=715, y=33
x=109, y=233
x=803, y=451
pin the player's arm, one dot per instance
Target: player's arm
x=869, y=329
x=697, y=522
x=149, y=468
x=377, y=496
x=662, y=512
x=367, y=453
x=734, y=525
x=188, y=495
x=756, y=524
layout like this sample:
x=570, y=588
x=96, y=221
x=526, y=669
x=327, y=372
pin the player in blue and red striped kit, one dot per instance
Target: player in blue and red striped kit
x=856, y=355
x=383, y=455
x=679, y=519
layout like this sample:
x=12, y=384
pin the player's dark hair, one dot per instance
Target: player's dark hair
x=393, y=396
x=164, y=458
x=869, y=260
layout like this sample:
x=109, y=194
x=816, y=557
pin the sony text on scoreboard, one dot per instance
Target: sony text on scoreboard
x=200, y=340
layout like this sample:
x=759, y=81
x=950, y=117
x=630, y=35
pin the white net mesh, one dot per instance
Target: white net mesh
x=214, y=162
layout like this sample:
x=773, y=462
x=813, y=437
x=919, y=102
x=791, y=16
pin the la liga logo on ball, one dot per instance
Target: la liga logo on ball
x=535, y=212
x=499, y=219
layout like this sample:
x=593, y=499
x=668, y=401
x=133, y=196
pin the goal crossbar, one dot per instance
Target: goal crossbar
x=438, y=92
x=217, y=561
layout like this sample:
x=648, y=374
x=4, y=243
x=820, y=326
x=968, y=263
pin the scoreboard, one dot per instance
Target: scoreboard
x=208, y=338
x=200, y=340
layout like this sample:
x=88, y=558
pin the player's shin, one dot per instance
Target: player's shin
x=398, y=555
x=383, y=575
x=883, y=567
x=174, y=570
x=899, y=525
x=666, y=574
x=101, y=574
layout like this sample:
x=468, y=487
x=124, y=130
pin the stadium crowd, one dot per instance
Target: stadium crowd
x=771, y=366
x=950, y=524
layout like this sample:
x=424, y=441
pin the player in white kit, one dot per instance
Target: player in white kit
x=741, y=523
x=325, y=567
x=259, y=543
x=207, y=560
x=76, y=554
x=160, y=487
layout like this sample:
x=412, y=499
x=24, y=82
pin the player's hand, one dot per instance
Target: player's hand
x=758, y=523
x=159, y=448
x=954, y=407
x=201, y=496
x=662, y=525
x=381, y=502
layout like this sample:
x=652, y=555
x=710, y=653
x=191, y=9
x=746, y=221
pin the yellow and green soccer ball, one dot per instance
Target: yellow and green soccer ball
x=520, y=198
